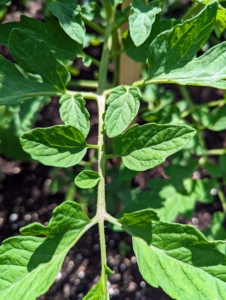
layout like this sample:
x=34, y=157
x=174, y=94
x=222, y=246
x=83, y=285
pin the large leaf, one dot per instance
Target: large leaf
x=73, y=112
x=171, y=55
x=182, y=262
x=39, y=59
x=59, y=146
x=68, y=13
x=123, y=105
x=178, y=258
x=141, y=20
x=29, y=265
x=144, y=147
x=63, y=47
x=14, y=86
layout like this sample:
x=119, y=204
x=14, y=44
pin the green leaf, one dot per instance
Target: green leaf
x=61, y=45
x=217, y=118
x=4, y=2
x=39, y=59
x=14, y=86
x=123, y=105
x=140, y=53
x=184, y=251
x=99, y=291
x=29, y=265
x=87, y=179
x=222, y=163
x=14, y=123
x=144, y=147
x=213, y=170
x=141, y=20
x=68, y=13
x=59, y=146
x=73, y=112
x=136, y=223
x=171, y=56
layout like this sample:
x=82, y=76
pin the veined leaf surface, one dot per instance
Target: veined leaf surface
x=14, y=86
x=73, y=112
x=87, y=179
x=144, y=147
x=63, y=47
x=39, y=59
x=29, y=265
x=171, y=55
x=59, y=146
x=123, y=105
x=141, y=20
x=171, y=249
x=68, y=13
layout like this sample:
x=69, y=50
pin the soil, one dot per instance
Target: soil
x=25, y=198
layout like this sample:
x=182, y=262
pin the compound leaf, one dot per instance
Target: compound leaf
x=14, y=86
x=144, y=147
x=39, y=59
x=171, y=55
x=87, y=179
x=123, y=105
x=73, y=112
x=68, y=13
x=170, y=249
x=29, y=265
x=141, y=20
x=59, y=146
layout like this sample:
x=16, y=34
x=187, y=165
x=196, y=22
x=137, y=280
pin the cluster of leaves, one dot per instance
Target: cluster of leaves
x=176, y=257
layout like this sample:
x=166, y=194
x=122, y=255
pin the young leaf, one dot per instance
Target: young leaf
x=123, y=105
x=59, y=146
x=182, y=250
x=87, y=179
x=68, y=13
x=171, y=54
x=29, y=265
x=39, y=59
x=73, y=112
x=144, y=147
x=50, y=32
x=99, y=291
x=141, y=20
x=14, y=86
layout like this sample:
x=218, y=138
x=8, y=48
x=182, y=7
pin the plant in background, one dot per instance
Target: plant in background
x=176, y=257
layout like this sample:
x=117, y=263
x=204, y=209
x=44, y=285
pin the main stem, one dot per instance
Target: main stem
x=101, y=204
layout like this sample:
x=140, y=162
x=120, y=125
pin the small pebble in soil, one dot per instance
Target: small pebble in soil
x=195, y=221
x=133, y=260
x=142, y=284
x=213, y=192
x=13, y=218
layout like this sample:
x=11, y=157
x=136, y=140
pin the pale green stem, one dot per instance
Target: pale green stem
x=85, y=95
x=215, y=152
x=222, y=199
x=93, y=26
x=88, y=84
x=92, y=146
x=102, y=82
